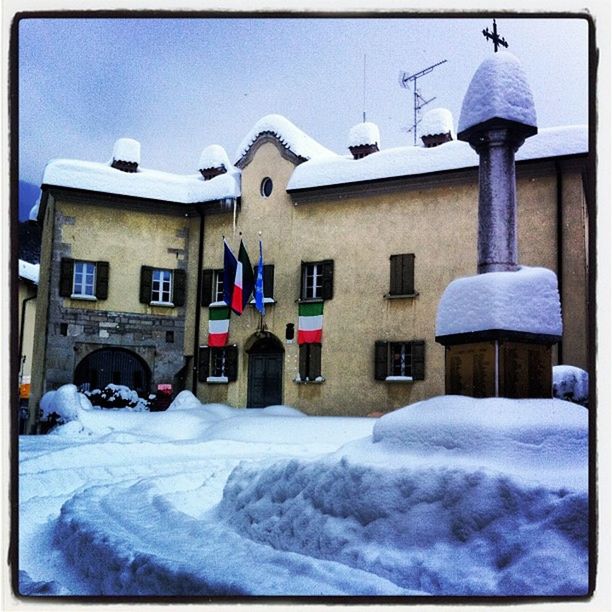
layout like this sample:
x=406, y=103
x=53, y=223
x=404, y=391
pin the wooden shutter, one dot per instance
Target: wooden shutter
x=203, y=363
x=418, y=360
x=146, y=283
x=395, y=280
x=102, y=272
x=180, y=282
x=231, y=363
x=401, y=281
x=408, y=274
x=303, y=282
x=268, y=279
x=303, y=361
x=381, y=368
x=327, y=292
x=66, y=275
x=314, y=367
x=207, y=287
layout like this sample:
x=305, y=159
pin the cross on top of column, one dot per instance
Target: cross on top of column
x=495, y=37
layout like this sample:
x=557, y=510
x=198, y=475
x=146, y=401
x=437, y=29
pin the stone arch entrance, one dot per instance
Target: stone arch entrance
x=118, y=366
x=265, y=384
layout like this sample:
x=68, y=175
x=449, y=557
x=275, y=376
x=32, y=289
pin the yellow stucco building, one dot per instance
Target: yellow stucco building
x=132, y=260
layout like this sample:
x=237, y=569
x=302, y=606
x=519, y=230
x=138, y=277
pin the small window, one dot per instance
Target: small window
x=402, y=275
x=212, y=286
x=399, y=361
x=218, y=286
x=266, y=187
x=310, y=363
x=317, y=280
x=161, y=289
x=218, y=364
x=85, y=280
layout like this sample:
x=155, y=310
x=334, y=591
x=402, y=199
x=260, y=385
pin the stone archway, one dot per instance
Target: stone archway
x=118, y=366
x=265, y=383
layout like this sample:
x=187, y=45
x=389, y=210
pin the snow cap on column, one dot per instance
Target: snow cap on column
x=436, y=127
x=364, y=138
x=126, y=154
x=498, y=94
x=213, y=161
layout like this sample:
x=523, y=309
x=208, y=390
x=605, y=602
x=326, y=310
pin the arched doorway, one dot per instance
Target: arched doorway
x=265, y=372
x=113, y=365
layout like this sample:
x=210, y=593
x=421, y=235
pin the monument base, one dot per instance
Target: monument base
x=498, y=363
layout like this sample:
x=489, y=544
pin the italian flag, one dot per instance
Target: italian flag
x=218, y=325
x=310, y=323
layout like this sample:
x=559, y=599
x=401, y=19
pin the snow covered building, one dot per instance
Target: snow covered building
x=364, y=242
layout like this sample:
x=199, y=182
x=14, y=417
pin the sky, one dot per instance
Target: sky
x=179, y=85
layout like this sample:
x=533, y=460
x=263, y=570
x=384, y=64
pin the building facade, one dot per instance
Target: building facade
x=131, y=267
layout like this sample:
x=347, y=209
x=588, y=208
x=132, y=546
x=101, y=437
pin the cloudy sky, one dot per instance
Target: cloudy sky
x=178, y=85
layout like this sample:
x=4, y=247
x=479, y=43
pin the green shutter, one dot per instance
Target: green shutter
x=231, y=363
x=327, y=292
x=179, y=289
x=146, y=282
x=66, y=272
x=102, y=273
x=381, y=367
x=418, y=360
x=207, y=287
x=203, y=363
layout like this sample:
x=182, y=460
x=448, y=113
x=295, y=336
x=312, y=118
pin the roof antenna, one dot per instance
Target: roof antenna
x=364, y=87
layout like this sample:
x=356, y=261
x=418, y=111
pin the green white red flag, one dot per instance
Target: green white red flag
x=218, y=325
x=310, y=323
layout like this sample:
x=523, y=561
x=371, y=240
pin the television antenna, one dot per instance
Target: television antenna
x=418, y=101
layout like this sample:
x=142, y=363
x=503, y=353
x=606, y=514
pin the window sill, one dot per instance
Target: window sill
x=217, y=380
x=217, y=304
x=319, y=380
x=310, y=301
x=162, y=304
x=266, y=300
x=399, y=379
x=89, y=298
x=399, y=296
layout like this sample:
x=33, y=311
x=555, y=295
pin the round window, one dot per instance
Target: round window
x=266, y=187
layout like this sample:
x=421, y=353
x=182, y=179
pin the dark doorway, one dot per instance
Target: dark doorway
x=265, y=373
x=113, y=365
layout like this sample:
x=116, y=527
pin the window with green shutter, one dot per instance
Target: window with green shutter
x=218, y=364
x=401, y=281
x=83, y=280
x=162, y=287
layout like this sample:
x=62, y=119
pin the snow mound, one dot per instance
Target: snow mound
x=498, y=90
x=365, y=133
x=290, y=135
x=436, y=121
x=185, y=400
x=571, y=383
x=29, y=271
x=526, y=300
x=127, y=150
x=66, y=402
x=214, y=156
x=282, y=411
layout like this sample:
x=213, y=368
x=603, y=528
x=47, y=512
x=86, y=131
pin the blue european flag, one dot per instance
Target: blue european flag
x=259, y=286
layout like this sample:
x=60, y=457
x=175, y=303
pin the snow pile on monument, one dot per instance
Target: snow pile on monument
x=526, y=300
x=498, y=90
x=436, y=121
x=570, y=383
x=451, y=496
x=365, y=133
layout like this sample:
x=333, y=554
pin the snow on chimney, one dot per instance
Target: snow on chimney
x=364, y=139
x=213, y=161
x=436, y=127
x=126, y=155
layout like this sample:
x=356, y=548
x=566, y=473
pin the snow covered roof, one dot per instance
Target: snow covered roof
x=292, y=138
x=29, y=271
x=150, y=184
x=524, y=301
x=499, y=89
x=365, y=133
x=436, y=121
x=413, y=161
x=214, y=156
x=127, y=149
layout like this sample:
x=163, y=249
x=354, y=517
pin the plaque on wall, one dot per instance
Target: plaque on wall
x=470, y=369
x=526, y=370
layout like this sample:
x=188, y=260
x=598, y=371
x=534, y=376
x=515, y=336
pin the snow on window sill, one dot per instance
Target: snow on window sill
x=402, y=379
x=217, y=380
x=266, y=300
x=163, y=304
x=80, y=296
x=319, y=380
x=399, y=296
x=216, y=304
x=310, y=300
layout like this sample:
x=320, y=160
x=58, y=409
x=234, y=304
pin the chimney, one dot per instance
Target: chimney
x=436, y=127
x=213, y=162
x=126, y=155
x=364, y=139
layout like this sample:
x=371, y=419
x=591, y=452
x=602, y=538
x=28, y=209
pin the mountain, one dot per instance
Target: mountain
x=28, y=194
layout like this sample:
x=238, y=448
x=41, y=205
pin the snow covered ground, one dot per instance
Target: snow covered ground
x=451, y=496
